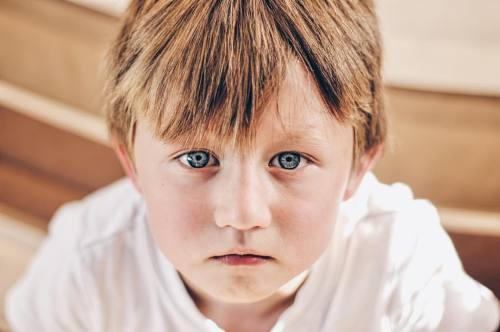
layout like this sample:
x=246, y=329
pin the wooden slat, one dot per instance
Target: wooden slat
x=55, y=139
x=110, y=7
x=28, y=190
x=445, y=147
x=476, y=236
x=29, y=221
x=49, y=152
x=479, y=256
x=55, y=48
x=53, y=113
x=472, y=222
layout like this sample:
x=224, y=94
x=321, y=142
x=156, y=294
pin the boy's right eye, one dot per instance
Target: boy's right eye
x=198, y=159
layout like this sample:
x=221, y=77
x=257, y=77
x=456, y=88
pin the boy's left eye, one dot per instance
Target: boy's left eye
x=200, y=159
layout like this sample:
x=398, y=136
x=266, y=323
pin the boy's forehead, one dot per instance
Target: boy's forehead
x=296, y=112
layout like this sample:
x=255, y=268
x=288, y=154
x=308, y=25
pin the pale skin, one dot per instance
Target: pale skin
x=256, y=202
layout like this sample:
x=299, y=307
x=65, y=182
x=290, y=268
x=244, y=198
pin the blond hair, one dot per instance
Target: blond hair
x=215, y=64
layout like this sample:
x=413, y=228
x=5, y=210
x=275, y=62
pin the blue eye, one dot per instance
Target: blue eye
x=288, y=160
x=198, y=159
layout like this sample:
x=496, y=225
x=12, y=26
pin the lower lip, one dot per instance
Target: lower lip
x=242, y=259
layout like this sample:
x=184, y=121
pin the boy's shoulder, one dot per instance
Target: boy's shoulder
x=77, y=266
x=100, y=216
x=397, y=224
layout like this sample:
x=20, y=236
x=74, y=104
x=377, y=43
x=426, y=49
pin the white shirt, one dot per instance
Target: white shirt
x=390, y=267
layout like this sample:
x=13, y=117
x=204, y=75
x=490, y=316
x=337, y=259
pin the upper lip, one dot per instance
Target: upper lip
x=242, y=251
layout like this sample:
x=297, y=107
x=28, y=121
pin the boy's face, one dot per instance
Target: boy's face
x=281, y=201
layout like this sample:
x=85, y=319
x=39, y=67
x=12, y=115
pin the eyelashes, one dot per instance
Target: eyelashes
x=287, y=160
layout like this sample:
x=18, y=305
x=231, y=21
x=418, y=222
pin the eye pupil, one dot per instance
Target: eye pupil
x=289, y=160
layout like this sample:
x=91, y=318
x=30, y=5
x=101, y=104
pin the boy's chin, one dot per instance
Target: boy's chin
x=226, y=292
x=252, y=293
x=241, y=295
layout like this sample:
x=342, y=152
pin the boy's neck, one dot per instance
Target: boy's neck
x=258, y=316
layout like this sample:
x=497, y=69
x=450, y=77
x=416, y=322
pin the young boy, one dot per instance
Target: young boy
x=248, y=130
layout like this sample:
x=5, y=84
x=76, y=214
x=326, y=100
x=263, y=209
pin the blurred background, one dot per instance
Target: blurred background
x=442, y=75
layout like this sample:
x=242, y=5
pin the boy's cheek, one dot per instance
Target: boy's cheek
x=178, y=215
x=174, y=217
x=173, y=236
x=308, y=234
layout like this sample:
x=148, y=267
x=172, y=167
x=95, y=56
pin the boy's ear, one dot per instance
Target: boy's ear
x=366, y=164
x=127, y=164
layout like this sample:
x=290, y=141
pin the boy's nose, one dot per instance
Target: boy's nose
x=242, y=200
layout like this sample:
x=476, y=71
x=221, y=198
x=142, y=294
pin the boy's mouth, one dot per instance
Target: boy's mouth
x=242, y=251
x=242, y=256
x=237, y=259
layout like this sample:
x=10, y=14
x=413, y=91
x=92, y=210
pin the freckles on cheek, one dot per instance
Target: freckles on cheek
x=176, y=222
x=176, y=208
